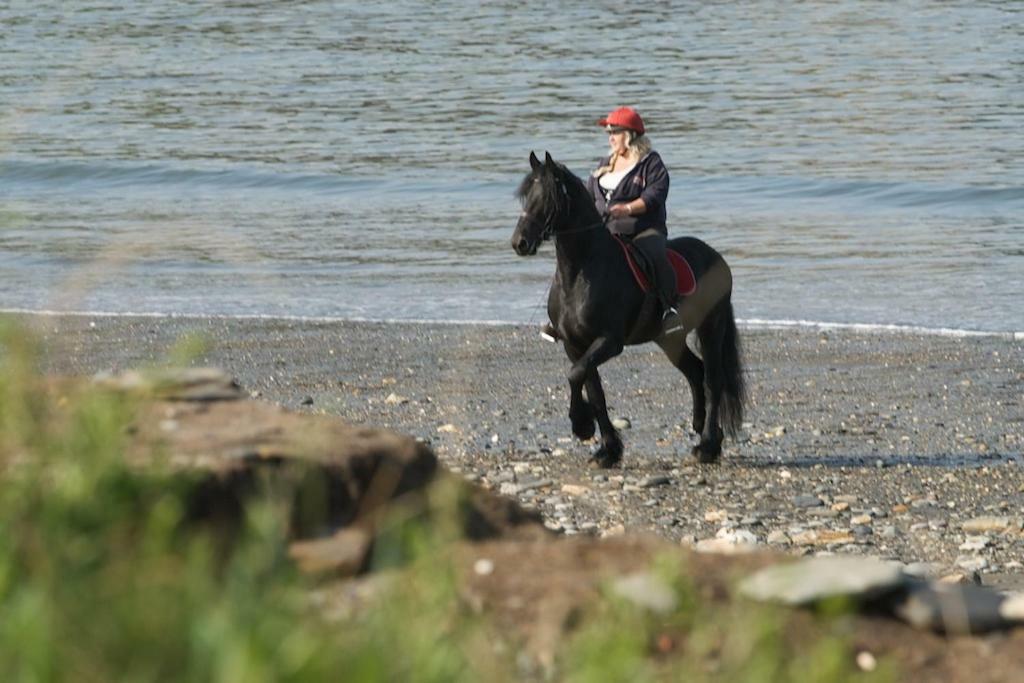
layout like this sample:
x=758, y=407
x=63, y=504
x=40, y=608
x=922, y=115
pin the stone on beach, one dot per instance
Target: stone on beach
x=976, y=543
x=822, y=537
x=970, y=563
x=575, y=490
x=654, y=480
x=729, y=542
x=820, y=578
x=988, y=523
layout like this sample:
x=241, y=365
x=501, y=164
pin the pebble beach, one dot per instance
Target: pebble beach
x=893, y=444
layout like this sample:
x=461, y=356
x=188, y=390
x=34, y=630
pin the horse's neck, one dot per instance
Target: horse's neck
x=577, y=245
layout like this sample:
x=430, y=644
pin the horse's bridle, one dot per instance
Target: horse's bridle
x=548, y=230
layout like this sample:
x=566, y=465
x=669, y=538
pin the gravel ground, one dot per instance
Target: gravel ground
x=888, y=444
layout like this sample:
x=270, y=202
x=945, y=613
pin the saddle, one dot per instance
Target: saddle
x=643, y=273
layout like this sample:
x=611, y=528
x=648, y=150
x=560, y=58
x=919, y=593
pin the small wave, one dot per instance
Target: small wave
x=73, y=175
x=77, y=177
x=868, y=194
x=748, y=323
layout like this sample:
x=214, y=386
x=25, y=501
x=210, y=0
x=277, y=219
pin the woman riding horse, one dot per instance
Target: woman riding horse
x=596, y=308
x=630, y=188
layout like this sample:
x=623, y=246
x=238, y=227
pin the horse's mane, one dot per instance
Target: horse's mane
x=552, y=198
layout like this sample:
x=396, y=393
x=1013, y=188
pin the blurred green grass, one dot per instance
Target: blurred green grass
x=103, y=579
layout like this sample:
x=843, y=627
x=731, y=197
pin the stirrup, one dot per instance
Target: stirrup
x=666, y=317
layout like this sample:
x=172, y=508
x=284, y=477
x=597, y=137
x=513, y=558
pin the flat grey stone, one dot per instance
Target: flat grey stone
x=976, y=543
x=819, y=578
x=654, y=480
x=972, y=564
x=807, y=501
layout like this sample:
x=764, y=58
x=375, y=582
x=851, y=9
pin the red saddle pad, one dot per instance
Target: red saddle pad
x=686, y=283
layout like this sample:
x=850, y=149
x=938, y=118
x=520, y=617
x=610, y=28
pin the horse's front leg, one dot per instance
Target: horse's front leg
x=610, y=452
x=584, y=370
x=581, y=415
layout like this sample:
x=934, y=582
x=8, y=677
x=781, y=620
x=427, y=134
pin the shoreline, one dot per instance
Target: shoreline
x=854, y=442
x=742, y=323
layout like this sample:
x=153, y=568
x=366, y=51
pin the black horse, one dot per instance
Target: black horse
x=597, y=308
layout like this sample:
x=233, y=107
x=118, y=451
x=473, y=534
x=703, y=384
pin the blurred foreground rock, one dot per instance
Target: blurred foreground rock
x=343, y=480
x=347, y=484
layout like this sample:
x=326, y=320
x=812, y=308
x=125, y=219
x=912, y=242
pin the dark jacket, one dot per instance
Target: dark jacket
x=648, y=180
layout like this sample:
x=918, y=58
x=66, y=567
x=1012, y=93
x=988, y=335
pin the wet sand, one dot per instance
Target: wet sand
x=879, y=443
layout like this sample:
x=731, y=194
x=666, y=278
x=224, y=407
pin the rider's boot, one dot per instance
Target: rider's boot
x=549, y=333
x=671, y=323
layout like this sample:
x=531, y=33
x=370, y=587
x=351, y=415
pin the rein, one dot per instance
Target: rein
x=549, y=229
x=586, y=228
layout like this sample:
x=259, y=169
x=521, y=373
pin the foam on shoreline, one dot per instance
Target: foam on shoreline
x=743, y=323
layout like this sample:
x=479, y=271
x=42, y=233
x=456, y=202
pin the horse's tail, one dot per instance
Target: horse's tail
x=734, y=390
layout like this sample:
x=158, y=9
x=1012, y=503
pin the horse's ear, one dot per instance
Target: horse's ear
x=548, y=161
x=534, y=161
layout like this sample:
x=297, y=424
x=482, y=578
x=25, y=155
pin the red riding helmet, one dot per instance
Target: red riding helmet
x=624, y=117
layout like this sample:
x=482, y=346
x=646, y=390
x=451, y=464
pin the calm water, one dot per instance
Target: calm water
x=857, y=162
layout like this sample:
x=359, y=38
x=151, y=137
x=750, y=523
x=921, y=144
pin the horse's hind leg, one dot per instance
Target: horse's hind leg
x=706, y=311
x=610, y=452
x=687, y=362
x=693, y=368
x=710, y=447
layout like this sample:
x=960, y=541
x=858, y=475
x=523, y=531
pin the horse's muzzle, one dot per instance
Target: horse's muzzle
x=523, y=246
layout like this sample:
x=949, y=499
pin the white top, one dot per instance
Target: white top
x=610, y=180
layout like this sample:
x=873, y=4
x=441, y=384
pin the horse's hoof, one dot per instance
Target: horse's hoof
x=603, y=463
x=584, y=432
x=583, y=426
x=605, y=460
x=706, y=455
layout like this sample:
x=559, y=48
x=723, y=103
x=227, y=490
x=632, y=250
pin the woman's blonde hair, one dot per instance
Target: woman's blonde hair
x=636, y=148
